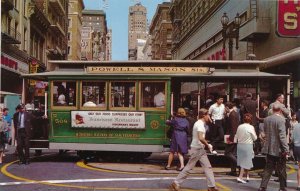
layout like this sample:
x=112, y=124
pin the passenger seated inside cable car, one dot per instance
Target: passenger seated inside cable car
x=90, y=102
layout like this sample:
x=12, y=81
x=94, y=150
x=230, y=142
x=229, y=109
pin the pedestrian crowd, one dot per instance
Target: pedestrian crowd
x=16, y=130
x=247, y=128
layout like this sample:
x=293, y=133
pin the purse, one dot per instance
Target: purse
x=3, y=138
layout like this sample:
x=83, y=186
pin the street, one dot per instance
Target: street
x=67, y=172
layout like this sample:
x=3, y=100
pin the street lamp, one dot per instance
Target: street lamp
x=230, y=32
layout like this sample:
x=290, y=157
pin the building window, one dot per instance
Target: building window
x=24, y=8
x=69, y=50
x=69, y=36
x=70, y=23
x=25, y=40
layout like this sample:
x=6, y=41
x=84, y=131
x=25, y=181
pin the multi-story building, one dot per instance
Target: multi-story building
x=161, y=33
x=15, y=35
x=32, y=32
x=57, y=35
x=137, y=28
x=74, y=29
x=96, y=20
x=261, y=32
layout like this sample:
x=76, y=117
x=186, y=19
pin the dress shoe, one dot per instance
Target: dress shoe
x=180, y=169
x=174, y=187
x=27, y=162
x=261, y=189
x=239, y=180
x=212, y=189
x=231, y=173
x=21, y=162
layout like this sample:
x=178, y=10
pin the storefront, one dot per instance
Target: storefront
x=11, y=68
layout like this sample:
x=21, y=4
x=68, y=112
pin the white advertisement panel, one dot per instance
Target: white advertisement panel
x=108, y=119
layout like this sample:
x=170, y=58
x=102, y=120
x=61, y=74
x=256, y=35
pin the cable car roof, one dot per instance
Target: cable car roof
x=234, y=73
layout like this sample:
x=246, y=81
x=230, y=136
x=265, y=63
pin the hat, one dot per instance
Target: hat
x=181, y=112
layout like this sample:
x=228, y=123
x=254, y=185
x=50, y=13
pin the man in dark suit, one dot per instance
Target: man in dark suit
x=275, y=147
x=22, y=125
x=250, y=106
x=232, y=123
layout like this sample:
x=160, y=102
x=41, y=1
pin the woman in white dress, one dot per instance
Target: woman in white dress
x=244, y=137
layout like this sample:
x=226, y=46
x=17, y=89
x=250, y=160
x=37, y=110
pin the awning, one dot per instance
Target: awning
x=282, y=58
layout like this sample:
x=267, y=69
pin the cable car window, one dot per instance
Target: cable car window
x=93, y=94
x=153, y=94
x=123, y=94
x=64, y=93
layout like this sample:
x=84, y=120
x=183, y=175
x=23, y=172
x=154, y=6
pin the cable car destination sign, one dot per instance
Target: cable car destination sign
x=148, y=70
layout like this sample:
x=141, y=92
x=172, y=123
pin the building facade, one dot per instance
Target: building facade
x=74, y=29
x=108, y=49
x=161, y=33
x=96, y=20
x=137, y=28
x=198, y=33
x=15, y=35
x=147, y=49
x=32, y=32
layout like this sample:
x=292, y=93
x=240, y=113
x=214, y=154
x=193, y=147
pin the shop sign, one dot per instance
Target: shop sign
x=13, y=64
x=33, y=68
x=108, y=119
x=288, y=18
x=219, y=55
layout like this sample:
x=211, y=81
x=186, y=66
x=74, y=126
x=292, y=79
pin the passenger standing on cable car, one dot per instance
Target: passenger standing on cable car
x=250, y=106
x=217, y=111
x=179, y=138
x=23, y=125
x=232, y=123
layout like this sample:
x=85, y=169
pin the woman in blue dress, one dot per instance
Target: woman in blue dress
x=179, y=138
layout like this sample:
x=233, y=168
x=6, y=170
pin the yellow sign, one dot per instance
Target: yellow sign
x=147, y=70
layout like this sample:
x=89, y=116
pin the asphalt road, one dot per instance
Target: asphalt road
x=67, y=172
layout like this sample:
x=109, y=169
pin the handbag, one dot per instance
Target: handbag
x=3, y=138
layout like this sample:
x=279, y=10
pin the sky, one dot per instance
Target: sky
x=117, y=20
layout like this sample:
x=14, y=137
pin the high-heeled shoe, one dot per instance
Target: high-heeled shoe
x=241, y=181
x=167, y=168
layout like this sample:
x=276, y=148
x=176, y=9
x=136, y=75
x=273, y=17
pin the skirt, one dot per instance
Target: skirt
x=297, y=153
x=245, y=155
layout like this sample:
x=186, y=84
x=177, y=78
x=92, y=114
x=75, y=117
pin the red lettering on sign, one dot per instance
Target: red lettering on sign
x=9, y=63
x=219, y=55
x=288, y=18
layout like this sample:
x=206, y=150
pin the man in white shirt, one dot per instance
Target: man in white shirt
x=198, y=153
x=217, y=111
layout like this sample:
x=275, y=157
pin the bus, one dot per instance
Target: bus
x=120, y=107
